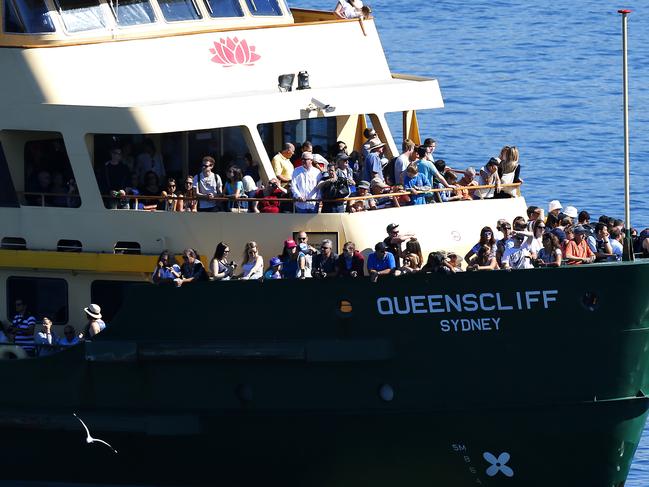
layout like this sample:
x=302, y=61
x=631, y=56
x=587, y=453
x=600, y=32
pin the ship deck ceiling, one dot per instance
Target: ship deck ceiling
x=396, y=94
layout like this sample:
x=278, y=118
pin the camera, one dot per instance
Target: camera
x=233, y=264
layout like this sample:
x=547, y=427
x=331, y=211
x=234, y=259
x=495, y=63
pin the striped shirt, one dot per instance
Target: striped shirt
x=23, y=325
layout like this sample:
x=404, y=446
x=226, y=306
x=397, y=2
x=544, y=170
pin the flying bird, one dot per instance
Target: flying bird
x=90, y=439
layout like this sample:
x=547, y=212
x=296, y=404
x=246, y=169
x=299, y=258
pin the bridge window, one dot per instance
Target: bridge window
x=133, y=12
x=80, y=15
x=264, y=7
x=43, y=297
x=13, y=243
x=224, y=8
x=177, y=10
x=27, y=17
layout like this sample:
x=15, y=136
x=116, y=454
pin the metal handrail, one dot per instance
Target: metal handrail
x=138, y=198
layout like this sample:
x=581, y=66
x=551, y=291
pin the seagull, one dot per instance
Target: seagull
x=90, y=439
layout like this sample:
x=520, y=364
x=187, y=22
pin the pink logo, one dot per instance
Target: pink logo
x=231, y=51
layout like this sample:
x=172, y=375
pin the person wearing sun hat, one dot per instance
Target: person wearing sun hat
x=95, y=323
x=373, y=166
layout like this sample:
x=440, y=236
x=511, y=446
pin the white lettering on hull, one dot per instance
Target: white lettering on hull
x=434, y=304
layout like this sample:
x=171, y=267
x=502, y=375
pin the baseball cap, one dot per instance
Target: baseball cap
x=391, y=227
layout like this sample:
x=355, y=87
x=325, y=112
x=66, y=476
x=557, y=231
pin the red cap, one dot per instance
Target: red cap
x=290, y=243
x=625, y=11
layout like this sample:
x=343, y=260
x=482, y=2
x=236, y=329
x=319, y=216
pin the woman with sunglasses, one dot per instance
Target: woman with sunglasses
x=171, y=202
x=486, y=238
x=253, y=263
x=188, y=202
x=220, y=268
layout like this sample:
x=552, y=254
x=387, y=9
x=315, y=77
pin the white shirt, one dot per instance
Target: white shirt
x=351, y=11
x=208, y=185
x=303, y=185
x=400, y=166
x=517, y=258
x=617, y=249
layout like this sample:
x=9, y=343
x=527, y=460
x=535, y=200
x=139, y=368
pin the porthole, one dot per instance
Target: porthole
x=13, y=243
x=69, y=246
x=590, y=300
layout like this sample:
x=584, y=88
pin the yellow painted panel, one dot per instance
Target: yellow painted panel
x=76, y=261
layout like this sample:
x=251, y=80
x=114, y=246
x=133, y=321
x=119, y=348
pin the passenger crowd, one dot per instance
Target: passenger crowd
x=310, y=180
x=563, y=237
x=23, y=330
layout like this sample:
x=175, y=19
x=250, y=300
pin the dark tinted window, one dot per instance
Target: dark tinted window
x=110, y=296
x=43, y=296
x=7, y=191
x=175, y=10
x=27, y=16
x=264, y=7
x=48, y=175
x=224, y=8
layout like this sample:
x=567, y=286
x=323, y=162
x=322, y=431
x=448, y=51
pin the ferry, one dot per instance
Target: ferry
x=527, y=378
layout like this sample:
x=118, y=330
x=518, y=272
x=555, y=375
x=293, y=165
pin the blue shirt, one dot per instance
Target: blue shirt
x=418, y=181
x=373, y=164
x=374, y=263
x=427, y=169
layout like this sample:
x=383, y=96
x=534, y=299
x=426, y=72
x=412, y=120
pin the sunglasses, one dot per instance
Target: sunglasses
x=302, y=238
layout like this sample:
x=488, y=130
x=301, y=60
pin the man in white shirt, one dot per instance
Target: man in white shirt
x=517, y=257
x=304, y=185
x=403, y=161
x=616, y=239
x=208, y=185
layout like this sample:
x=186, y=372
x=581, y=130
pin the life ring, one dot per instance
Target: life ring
x=12, y=352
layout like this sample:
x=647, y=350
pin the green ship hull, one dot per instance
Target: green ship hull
x=498, y=378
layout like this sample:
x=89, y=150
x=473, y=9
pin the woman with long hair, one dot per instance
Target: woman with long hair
x=485, y=260
x=550, y=255
x=414, y=247
x=171, y=202
x=188, y=193
x=220, y=268
x=233, y=186
x=165, y=271
x=252, y=266
x=486, y=238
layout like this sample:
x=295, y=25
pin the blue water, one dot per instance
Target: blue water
x=544, y=76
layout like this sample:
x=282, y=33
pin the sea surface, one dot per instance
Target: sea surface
x=544, y=76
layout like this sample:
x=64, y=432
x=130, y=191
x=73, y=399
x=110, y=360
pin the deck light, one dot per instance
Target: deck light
x=303, y=81
x=285, y=82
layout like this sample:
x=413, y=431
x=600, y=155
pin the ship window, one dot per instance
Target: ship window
x=27, y=17
x=8, y=197
x=43, y=296
x=176, y=10
x=127, y=248
x=110, y=296
x=48, y=175
x=13, y=243
x=133, y=12
x=264, y=7
x=80, y=15
x=224, y=8
x=321, y=132
x=69, y=246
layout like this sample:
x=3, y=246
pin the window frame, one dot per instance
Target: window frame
x=156, y=17
x=107, y=16
x=10, y=297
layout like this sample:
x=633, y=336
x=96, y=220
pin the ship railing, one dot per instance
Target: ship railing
x=237, y=203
